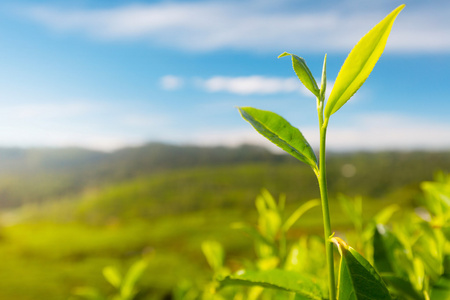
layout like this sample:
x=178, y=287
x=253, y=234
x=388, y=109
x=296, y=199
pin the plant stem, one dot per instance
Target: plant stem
x=326, y=214
x=322, y=179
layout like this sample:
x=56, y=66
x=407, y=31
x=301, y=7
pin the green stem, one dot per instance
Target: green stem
x=326, y=214
x=322, y=179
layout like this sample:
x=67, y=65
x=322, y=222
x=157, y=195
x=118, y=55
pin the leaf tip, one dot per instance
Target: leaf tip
x=283, y=54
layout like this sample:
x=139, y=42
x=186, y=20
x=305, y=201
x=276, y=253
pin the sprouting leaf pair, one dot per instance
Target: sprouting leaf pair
x=353, y=74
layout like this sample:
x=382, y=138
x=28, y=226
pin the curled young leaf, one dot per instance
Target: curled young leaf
x=303, y=73
x=360, y=62
x=277, y=130
x=357, y=278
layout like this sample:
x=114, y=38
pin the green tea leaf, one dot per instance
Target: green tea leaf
x=276, y=279
x=88, y=293
x=281, y=133
x=441, y=290
x=303, y=73
x=135, y=272
x=214, y=254
x=113, y=276
x=386, y=251
x=402, y=287
x=299, y=212
x=256, y=235
x=359, y=63
x=323, y=83
x=357, y=278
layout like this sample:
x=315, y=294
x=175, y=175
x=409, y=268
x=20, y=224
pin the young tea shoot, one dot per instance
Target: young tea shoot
x=354, y=72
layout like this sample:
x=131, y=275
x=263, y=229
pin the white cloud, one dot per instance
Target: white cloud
x=171, y=82
x=249, y=25
x=250, y=85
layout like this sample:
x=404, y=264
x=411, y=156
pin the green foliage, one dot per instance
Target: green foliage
x=359, y=63
x=281, y=133
x=124, y=286
x=357, y=278
x=356, y=274
x=276, y=279
x=303, y=73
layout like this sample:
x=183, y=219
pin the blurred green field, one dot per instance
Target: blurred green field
x=92, y=218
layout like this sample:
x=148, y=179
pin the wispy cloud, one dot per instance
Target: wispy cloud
x=250, y=85
x=171, y=82
x=253, y=26
x=241, y=85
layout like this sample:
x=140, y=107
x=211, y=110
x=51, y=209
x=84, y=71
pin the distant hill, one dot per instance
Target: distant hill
x=36, y=175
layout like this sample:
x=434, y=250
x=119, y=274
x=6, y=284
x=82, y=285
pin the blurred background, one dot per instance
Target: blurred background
x=119, y=133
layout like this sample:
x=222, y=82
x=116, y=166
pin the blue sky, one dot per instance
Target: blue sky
x=109, y=74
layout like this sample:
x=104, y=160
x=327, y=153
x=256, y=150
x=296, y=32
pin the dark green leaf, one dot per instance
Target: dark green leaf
x=385, y=248
x=276, y=279
x=359, y=63
x=303, y=73
x=281, y=133
x=357, y=278
x=402, y=287
x=441, y=290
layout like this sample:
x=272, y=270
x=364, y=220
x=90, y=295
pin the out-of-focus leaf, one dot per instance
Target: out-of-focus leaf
x=112, y=275
x=437, y=196
x=303, y=73
x=357, y=278
x=384, y=215
x=128, y=289
x=88, y=293
x=276, y=279
x=441, y=290
x=385, y=248
x=299, y=212
x=268, y=198
x=402, y=287
x=359, y=63
x=353, y=209
x=253, y=233
x=281, y=133
x=214, y=254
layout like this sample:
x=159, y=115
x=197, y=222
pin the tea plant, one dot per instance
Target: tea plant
x=125, y=287
x=357, y=277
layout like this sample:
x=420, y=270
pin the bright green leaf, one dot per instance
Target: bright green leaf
x=299, y=212
x=113, y=276
x=281, y=133
x=134, y=273
x=357, y=278
x=303, y=73
x=359, y=63
x=276, y=279
x=323, y=83
x=214, y=254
